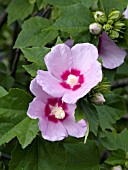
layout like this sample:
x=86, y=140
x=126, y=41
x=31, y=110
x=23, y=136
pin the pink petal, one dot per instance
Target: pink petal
x=126, y=13
x=112, y=56
x=59, y=60
x=52, y=131
x=49, y=84
x=92, y=78
x=37, y=90
x=75, y=129
x=84, y=55
x=69, y=43
x=36, y=108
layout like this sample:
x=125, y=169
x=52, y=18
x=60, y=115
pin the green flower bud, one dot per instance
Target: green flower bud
x=95, y=28
x=119, y=24
x=97, y=98
x=114, y=34
x=126, y=164
x=110, y=22
x=107, y=27
x=118, y=167
x=115, y=15
x=100, y=17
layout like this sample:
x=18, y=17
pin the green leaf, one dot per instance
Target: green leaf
x=31, y=1
x=39, y=31
x=91, y=115
x=3, y=92
x=117, y=158
x=13, y=119
x=39, y=4
x=62, y=2
x=19, y=9
x=82, y=156
x=114, y=142
x=33, y=68
x=35, y=54
x=88, y=3
x=108, y=5
x=76, y=19
x=114, y=109
x=41, y=155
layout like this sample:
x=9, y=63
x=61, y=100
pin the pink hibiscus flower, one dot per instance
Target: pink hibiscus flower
x=56, y=118
x=72, y=73
x=112, y=56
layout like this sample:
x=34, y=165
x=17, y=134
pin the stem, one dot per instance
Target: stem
x=3, y=18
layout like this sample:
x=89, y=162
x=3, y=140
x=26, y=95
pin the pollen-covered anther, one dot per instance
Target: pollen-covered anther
x=72, y=80
x=58, y=112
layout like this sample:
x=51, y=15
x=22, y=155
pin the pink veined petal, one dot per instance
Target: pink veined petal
x=92, y=78
x=58, y=60
x=112, y=56
x=52, y=131
x=75, y=129
x=84, y=55
x=126, y=13
x=37, y=91
x=36, y=108
x=69, y=43
x=49, y=84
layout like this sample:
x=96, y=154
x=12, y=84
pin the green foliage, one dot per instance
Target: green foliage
x=84, y=157
x=35, y=55
x=39, y=155
x=39, y=31
x=13, y=119
x=114, y=109
x=91, y=115
x=116, y=141
x=76, y=19
x=2, y=91
x=117, y=157
x=108, y=5
x=19, y=9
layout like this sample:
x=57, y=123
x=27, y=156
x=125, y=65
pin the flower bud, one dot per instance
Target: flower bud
x=119, y=24
x=97, y=98
x=95, y=28
x=107, y=27
x=126, y=164
x=118, y=167
x=114, y=34
x=100, y=17
x=115, y=15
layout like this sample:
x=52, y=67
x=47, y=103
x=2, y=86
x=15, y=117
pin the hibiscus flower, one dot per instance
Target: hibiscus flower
x=56, y=118
x=72, y=73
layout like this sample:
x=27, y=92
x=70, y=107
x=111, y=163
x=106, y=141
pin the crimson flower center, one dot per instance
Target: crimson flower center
x=72, y=79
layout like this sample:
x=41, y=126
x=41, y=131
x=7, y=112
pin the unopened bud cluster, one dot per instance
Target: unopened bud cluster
x=114, y=24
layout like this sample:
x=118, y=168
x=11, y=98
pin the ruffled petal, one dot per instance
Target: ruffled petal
x=49, y=83
x=75, y=129
x=52, y=131
x=36, y=108
x=92, y=78
x=126, y=13
x=37, y=91
x=58, y=60
x=112, y=56
x=84, y=55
